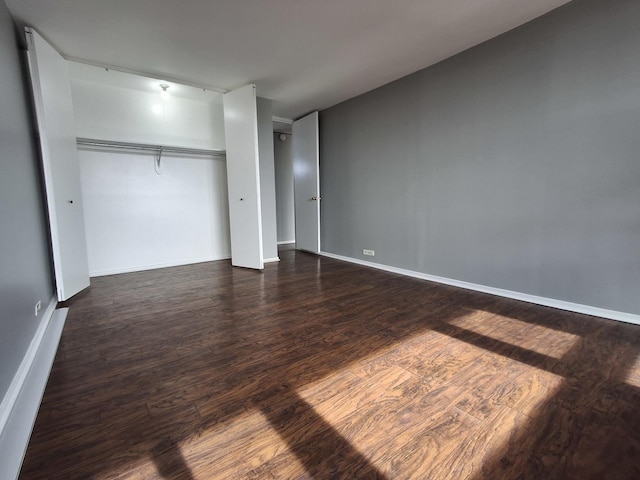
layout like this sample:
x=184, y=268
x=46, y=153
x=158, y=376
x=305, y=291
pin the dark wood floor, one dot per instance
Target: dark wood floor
x=321, y=369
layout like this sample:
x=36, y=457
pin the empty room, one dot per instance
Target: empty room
x=320, y=240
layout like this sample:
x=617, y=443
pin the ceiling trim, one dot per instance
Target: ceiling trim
x=282, y=120
x=155, y=75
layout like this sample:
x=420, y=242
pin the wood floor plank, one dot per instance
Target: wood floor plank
x=316, y=368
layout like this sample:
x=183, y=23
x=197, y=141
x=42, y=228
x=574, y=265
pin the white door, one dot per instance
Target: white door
x=56, y=126
x=306, y=182
x=243, y=177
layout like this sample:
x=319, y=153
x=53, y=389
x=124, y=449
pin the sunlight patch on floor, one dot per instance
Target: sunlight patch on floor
x=250, y=433
x=353, y=402
x=142, y=468
x=537, y=338
x=535, y=388
x=633, y=377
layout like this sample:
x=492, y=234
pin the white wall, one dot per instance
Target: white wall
x=267, y=180
x=118, y=106
x=284, y=189
x=136, y=219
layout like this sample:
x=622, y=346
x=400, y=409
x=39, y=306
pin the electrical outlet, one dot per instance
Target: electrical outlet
x=370, y=253
x=38, y=307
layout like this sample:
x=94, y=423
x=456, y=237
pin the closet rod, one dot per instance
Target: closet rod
x=157, y=149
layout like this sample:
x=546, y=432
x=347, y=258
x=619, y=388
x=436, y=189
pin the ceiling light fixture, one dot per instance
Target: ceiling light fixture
x=164, y=94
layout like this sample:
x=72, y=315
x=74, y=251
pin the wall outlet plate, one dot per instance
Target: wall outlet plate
x=370, y=253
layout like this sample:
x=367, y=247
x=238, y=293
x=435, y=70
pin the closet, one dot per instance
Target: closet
x=150, y=160
x=153, y=171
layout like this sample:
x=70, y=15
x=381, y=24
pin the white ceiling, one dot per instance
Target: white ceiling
x=303, y=54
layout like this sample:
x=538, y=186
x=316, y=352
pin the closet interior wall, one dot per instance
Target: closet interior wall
x=138, y=214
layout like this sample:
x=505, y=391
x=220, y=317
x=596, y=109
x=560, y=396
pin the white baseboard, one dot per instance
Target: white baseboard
x=270, y=260
x=21, y=402
x=13, y=391
x=525, y=297
x=155, y=266
x=287, y=242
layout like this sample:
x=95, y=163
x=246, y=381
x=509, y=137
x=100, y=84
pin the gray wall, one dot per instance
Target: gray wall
x=267, y=179
x=25, y=272
x=284, y=188
x=515, y=164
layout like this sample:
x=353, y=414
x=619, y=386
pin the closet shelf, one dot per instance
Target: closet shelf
x=158, y=150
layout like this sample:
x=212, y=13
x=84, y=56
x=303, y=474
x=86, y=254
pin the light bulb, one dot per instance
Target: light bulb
x=164, y=94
